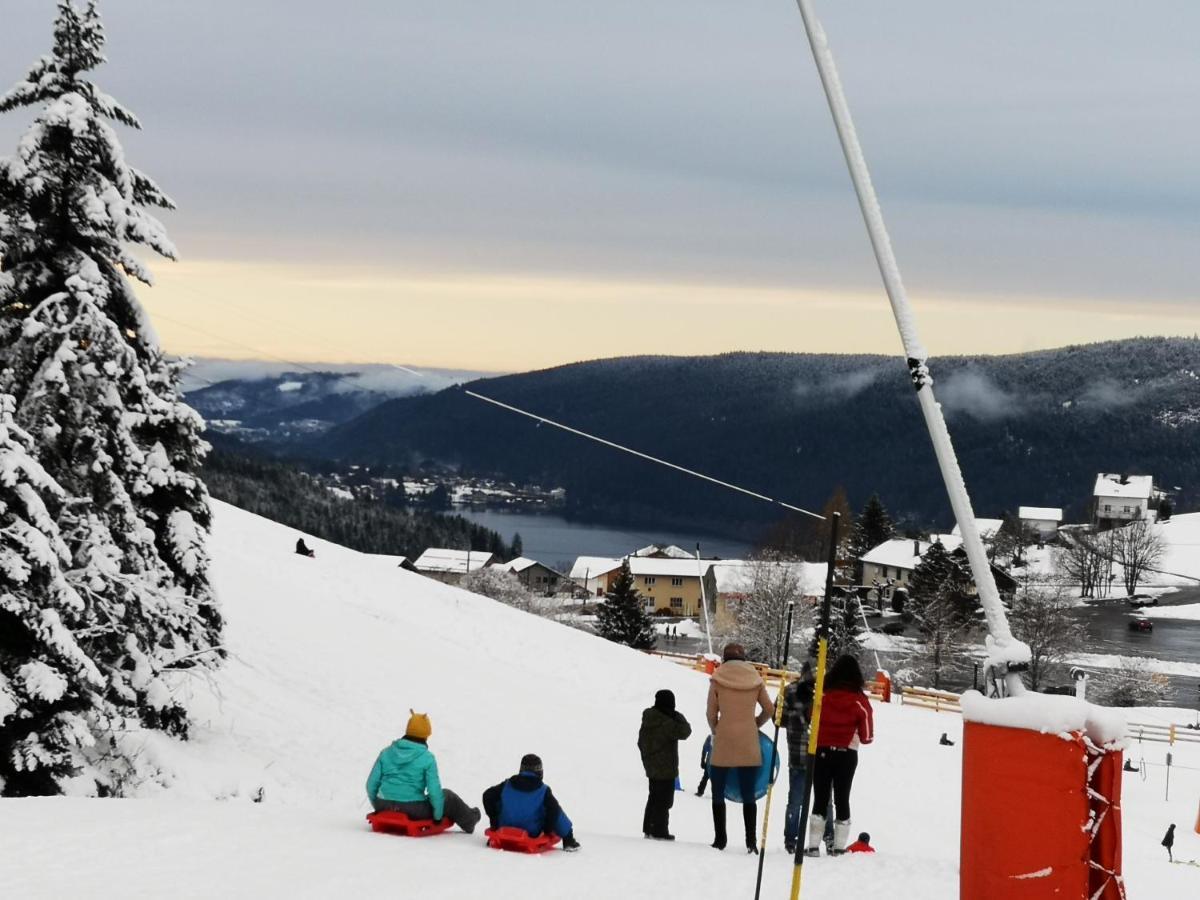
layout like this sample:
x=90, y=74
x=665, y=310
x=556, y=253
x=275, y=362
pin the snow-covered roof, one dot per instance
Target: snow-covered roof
x=950, y=541
x=1039, y=513
x=593, y=566
x=441, y=560
x=668, y=550
x=1133, y=487
x=987, y=528
x=736, y=576
x=903, y=553
x=520, y=564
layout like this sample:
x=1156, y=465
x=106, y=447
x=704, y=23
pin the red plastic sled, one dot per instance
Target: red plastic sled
x=399, y=823
x=517, y=840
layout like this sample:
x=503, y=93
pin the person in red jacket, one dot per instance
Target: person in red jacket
x=846, y=722
x=862, y=845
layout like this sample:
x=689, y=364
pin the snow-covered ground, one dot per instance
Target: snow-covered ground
x=327, y=655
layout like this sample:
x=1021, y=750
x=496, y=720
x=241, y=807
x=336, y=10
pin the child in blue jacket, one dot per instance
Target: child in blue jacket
x=525, y=801
x=405, y=779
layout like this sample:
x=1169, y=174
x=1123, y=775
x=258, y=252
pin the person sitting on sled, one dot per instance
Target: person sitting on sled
x=525, y=801
x=405, y=779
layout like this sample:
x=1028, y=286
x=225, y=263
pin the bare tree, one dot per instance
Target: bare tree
x=941, y=648
x=1087, y=559
x=500, y=585
x=1138, y=548
x=772, y=582
x=1130, y=684
x=1042, y=618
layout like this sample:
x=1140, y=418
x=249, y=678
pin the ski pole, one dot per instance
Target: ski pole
x=815, y=725
x=762, y=850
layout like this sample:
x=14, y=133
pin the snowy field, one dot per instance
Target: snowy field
x=327, y=655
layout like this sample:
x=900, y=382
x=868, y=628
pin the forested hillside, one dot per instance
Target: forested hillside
x=288, y=495
x=1030, y=429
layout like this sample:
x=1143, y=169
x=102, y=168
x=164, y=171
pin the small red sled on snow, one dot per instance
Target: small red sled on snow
x=399, y=823
x=517, y=840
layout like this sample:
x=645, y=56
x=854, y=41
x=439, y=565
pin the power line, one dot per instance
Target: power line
x=641, y=455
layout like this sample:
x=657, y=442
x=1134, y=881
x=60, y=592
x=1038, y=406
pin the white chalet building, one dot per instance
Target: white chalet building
x=1120, y=499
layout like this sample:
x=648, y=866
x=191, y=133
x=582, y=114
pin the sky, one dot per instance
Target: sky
x=508, y=186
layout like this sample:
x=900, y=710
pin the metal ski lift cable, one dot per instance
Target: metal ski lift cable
x=638, y=453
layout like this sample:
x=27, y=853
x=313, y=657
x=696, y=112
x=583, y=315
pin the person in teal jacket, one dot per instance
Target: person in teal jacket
x=405, y=779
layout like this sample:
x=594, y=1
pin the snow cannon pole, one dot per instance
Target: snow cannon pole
x=818, y=693
x=704, y=600
x=1006, y=655
x=762, y=848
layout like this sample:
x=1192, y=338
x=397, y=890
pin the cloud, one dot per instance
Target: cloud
x=1109, y=394
x=841, y=386
x=974, y=394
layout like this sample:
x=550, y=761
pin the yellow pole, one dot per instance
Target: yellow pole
x=813, y=728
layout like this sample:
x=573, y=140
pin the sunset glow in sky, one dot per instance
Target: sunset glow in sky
x=514, y=185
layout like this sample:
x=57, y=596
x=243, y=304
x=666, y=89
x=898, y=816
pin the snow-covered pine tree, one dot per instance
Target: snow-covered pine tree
x=872, y=527
x=92, y=386
x=48, y=685
x=622, y=618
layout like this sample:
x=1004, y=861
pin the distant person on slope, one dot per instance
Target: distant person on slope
x=663, y=727
x=1168, y=841
x=846, y=722
x=734, y=693
x=525, y=801
x=303, y=549
x=405, y=779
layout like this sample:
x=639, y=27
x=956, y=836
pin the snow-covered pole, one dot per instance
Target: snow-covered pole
x=704, y=600
x=1005, y=654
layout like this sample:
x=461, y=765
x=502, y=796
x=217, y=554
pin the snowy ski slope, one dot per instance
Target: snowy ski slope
x=327, y=655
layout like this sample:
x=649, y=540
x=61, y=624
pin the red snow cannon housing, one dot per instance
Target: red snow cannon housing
x=517, y=840
x=1041, y=815
x=399, y=823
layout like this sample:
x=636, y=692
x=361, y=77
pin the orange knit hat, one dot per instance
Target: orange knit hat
x=418, y=726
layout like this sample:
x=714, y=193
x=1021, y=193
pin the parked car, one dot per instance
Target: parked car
x=1141, y=625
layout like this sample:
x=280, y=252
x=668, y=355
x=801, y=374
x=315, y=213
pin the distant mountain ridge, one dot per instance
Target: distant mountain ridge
x=1030, y=429
x=284, y=403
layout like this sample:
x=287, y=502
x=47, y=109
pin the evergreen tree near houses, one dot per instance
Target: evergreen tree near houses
x=48, y=685
x=942, y=577
x=622, y=617
x=872, y=527
x=96, y=394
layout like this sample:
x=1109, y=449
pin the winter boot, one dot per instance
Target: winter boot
x=750, y=818
x=719, y=837
x=841, y=836
x=816, y=830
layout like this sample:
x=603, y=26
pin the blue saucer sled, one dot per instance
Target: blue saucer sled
x=765, y=778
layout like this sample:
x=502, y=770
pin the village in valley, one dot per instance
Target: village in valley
x=1128, y=552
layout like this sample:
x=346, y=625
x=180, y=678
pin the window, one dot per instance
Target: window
x=649, y=604
x=1129, y=509
x=648, y=580
x=676, y=582
x=676, y=603
x=1108, y=507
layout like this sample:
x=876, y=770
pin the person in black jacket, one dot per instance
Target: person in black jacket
x=1168, y=841
x=525, y=801
x=797, y=711
x=662, y=730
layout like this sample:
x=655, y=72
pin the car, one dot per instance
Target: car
x=1144, y=625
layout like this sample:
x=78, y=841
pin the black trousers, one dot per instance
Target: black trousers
x=661, y=798
x=834, y=773
x=454, y=808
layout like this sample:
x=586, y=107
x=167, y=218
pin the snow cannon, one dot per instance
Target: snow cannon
x=1051, y=767
x=399, y=823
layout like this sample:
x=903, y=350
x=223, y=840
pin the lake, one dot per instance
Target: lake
x=557, y=542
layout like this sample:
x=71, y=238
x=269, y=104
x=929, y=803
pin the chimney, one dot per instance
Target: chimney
x=916, y=547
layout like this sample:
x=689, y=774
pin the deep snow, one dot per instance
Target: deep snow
x=327, y=655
